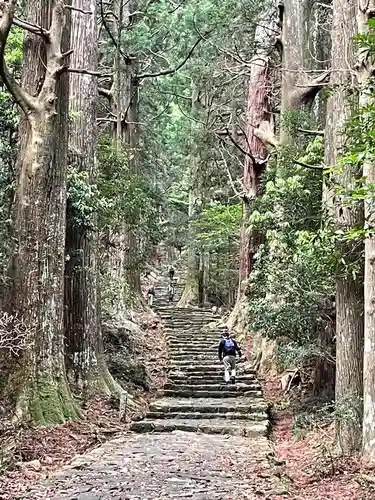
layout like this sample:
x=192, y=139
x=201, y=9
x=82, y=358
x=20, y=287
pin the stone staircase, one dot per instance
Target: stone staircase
x=195, y=397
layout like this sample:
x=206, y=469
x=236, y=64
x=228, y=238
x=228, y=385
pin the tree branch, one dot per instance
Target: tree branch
x=311, y=132
x=77, y=9
x=31, y=28
x=306, y=93
x=171, y=71
x=265, y=134
x=231, y=182
x=25, y=101
x=105, y=93
x=306, y=165
x=83, y=71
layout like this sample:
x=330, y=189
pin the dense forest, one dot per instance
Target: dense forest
x=239, y=135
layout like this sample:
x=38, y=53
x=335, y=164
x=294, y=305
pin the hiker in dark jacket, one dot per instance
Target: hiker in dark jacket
x=171, y=272
x=228, y=348
x=151, y=295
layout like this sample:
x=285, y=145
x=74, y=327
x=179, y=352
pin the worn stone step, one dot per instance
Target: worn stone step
x=237, y=387
x=240, y=405
x=203, y=365
x=209, y=354
x=207, y=426
x=256, y=417
x=186, y=349
x=191, y=338
x=188, y=326
x=177, y=343
x=208, y=379
x=192, y=393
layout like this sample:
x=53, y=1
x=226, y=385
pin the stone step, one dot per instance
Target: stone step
x=206, y=426
x=255, y=417
x=238, y=387
x=186, y=348
x=240, y=405
x=177, y=345
x=209, y=353
x=194, y=338
x=207, y=379
x=205, y=352
x=206, y=365
x=187, y=325
x=184, y=331
x=194, y=343
x=192, y=393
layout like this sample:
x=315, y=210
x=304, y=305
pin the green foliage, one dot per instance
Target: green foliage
x=84, y=199
x=9, y=116
x=218, y=225
x=294, y=267
x=129, y=199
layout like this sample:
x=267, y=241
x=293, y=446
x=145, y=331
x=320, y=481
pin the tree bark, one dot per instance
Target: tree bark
x=299, y=83
x=38, y=385
x=365, y=70
x=258, y=112
x=349, y=288
x=192, y=293
x=85, y=360
x=126, y=109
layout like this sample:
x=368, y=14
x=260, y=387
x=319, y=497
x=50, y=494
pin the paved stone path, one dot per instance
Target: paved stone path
x=201, y=439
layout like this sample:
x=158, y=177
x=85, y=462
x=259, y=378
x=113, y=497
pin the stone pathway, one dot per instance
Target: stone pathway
x=201, y=439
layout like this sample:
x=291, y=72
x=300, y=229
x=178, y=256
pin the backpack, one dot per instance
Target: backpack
x=228, y=344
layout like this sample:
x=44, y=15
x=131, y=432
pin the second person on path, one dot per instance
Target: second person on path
x=228, y=348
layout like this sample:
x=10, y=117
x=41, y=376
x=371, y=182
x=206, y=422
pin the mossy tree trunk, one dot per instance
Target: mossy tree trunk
x=38, y=385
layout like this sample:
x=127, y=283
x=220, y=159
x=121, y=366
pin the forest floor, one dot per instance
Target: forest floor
x=308, y=458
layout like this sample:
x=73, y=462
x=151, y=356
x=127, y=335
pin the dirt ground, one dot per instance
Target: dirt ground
x=309, y=461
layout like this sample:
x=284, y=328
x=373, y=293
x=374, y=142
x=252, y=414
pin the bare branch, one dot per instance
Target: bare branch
x=171, y=71
x=311, y=132
x=14, y=336
x=32, y=28
x=83, y=71
x=231, y=182
x=77, y=9
x=306, y=165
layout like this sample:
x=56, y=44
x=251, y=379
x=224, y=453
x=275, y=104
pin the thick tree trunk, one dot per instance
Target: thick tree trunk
x=349, y=288
x=192, y=293
x=257, y=113
x=131, y=137
x=365, y=70
x=38, y=384
x=82, y=322
x=125, y=105
x=299, y=84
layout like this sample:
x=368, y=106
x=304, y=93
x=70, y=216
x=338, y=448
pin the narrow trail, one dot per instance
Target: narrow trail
x=201, y=439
